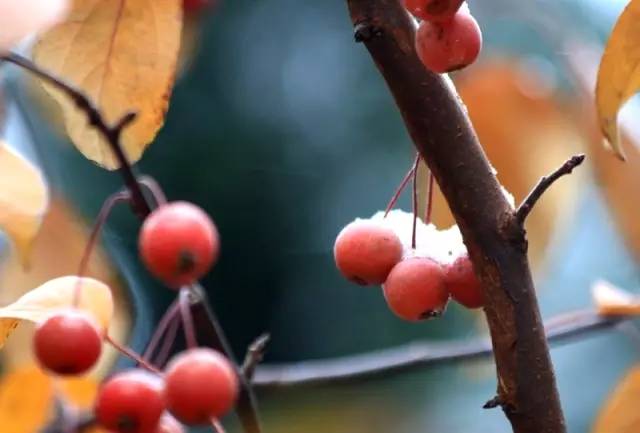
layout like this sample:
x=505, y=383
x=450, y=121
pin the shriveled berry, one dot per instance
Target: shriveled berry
x=131, y=402
x=449, y=46
x=433, y=10
x=463, y=284
x=200, y=384
x=415, y=289
x=365, y=252
x=179, y=243
x=67, y=343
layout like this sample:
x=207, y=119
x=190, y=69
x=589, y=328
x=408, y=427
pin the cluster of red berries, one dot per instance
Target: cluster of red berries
x=178, y=243
x=417, y=282
x=197, y=386
x=449, y=37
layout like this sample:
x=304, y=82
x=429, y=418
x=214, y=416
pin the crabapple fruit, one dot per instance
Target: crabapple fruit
x=67, y=343
x=179, y=243
x=415, y=289
x=433, y=10
x=200, y=384
x=449, y=46
x=463, y=284
x=131, y=402
x=365, y=252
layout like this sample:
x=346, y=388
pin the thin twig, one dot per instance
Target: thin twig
x=131, y=354
x=161, y=329
x=162, y=356
x=544, y=184
x=414, y=201
x=187, y=318
x=254, y=355
x=429, y=207
x=401, y=187
x=416, y=355
x=111, y=133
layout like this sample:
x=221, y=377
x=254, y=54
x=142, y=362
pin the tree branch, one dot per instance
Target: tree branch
x=438, y=124
x=545, y=182
x=382, y=363
x=203, y=315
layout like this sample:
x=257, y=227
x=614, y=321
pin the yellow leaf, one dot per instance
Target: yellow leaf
x=27, y=398
x=23, y=199
x=37, y=304
x=613, y=301
x=619, y=73
x=620, y=413
x=123, y=55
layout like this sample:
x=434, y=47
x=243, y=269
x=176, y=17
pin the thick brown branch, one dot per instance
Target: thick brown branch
x=411, y=356
x=545, y=182
x=438, y=124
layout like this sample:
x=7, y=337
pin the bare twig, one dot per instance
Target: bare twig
x=383, y=363
x=254, y=355
x=544, y=184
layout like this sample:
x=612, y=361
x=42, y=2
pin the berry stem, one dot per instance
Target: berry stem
x=154, y=188
x=415, y=202
x=429, y=208
x=401, y=187
x=165, y=350
x=131, y=354
x=161, y=329
x=101, y=220
x=217, y=426
x=187, y=318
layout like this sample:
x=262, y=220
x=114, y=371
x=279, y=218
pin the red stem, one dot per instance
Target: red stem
x=171, y=313
x=415, y=202
x=429, y=208
x=401, y=187
x=165, y=350
x=187, y=318
x=131, y=354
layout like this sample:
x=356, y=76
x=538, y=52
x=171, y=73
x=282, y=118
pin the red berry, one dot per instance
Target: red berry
x=463, y=284
x=365, y=252
x=179, y=243
x=415, y=289
x=433, y=10
x=169, y=424
x=200, y=384
x=131, y=402
x=67, y=343
x=449, y=46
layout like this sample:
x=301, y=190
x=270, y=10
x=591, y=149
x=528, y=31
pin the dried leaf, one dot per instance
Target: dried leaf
x=20, y=19
x=613, y=301
x=123, y=55
x=620, y=413
x=619, y=74
x=24, y=199
x=37, y=304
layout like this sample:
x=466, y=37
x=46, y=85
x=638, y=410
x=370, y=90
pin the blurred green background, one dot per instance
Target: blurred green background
x=281, y=128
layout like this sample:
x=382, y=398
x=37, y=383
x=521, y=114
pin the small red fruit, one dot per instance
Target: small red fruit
x=415, y=289
x=365, y=252
x=433, y=10
x=463, y=284
x=449, y=46
x=67, y=343
x=131, y=402
x=200, y=384
x=179, y=243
